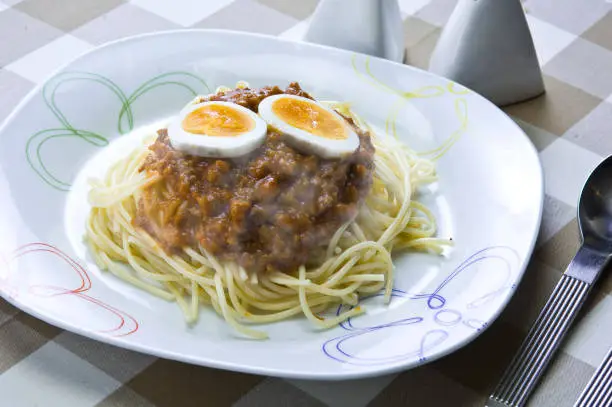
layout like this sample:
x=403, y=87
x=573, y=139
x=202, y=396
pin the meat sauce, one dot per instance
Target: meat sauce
x=273, y=209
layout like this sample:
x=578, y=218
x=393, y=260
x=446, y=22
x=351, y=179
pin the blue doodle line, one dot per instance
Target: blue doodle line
x=335, y=348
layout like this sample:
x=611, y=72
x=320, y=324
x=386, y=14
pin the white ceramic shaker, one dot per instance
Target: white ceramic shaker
x=486, y=45
x=371, y=27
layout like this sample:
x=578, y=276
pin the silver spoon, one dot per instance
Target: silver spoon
x=555, y=319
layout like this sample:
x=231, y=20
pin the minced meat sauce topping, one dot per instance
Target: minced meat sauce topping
x=271, y=210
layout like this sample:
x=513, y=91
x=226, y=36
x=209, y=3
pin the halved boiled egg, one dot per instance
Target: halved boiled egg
x=217, y=129
x=309, y=126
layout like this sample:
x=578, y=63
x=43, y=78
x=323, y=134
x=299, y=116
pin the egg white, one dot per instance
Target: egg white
x=303, y=140
x=205, y=145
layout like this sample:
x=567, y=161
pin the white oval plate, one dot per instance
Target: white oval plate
x=488, y=199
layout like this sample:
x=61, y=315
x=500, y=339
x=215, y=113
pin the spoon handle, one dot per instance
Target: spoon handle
x=598, y=392
x=547, y=333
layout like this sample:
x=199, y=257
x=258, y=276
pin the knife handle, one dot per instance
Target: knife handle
x=548, y=331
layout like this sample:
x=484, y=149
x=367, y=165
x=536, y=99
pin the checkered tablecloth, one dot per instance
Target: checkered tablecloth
x=571, y=126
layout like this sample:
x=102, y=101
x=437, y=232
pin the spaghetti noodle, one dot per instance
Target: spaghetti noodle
x=357, y=260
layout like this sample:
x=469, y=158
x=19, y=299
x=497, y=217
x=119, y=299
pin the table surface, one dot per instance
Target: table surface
x=571, y=126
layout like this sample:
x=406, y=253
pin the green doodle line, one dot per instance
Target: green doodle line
x=125, y=119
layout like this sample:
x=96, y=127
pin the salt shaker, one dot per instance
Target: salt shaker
x=486, y=45
x=371, y=27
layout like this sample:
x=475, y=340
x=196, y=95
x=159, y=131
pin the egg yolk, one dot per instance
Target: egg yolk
x=217, y=121
x=309, y=117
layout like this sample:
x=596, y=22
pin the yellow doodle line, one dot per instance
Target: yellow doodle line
x=390, y=127
x=451, y=88
x=461, y=111
x=424, y=92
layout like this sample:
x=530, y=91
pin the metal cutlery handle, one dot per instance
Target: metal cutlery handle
x=598, y=392
x=549, y=329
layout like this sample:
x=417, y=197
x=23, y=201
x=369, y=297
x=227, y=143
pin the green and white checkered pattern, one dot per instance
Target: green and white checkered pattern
x=571, y=126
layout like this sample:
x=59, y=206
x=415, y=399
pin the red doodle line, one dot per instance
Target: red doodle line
x=46, y=248
x=79, y=292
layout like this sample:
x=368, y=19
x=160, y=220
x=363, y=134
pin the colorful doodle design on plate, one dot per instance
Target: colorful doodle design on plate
x=125, y=323
x=443, y=316
x=125, y=119
x=426, y=92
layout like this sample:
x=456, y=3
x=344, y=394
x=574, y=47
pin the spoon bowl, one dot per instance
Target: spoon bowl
x=595, y=208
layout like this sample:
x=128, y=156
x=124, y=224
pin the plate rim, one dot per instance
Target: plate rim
x=262, y=370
